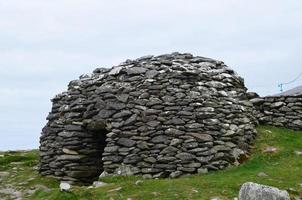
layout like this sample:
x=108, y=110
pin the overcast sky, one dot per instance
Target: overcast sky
x=45, y=44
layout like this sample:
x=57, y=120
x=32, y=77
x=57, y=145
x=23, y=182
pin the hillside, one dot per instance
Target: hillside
x=18, y=176
x=294, y=91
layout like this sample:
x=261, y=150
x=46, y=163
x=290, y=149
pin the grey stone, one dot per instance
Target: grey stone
x=254, y=191
x=121, y=114
x=68, y=151
x=176, y=174
x=131, y=120
x=174, y=132
x=98, y=184
x=115, y=71
x=65, y=187
x=136, y=70
x=185, y=156
x=3, y=174
x=124, y=170
x=202, y=171
x=262, y=174
x=116, y=105
x=153, y=123
x=202, y=137
x=70, y=157
x=175, y=142
x=126, y=142
x=169, y=150
x=160, y=139
x=277, y=104
x=111, y=149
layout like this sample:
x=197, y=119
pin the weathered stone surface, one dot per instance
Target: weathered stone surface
x=156, y=116
x=65, y=187
x=254, y=191
x=126, y=142
x=202, y=137
x=136, y=70
x=160, y=139
x=68, y=151
x=4, y=174
x=185, y=156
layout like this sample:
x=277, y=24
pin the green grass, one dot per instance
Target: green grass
x=284, y=170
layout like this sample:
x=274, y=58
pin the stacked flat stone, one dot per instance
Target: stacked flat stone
x=283, y=111
x=163, y=116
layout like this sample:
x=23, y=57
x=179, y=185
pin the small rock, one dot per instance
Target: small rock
x=268, y=131
x=136, y=70
x=194, y=190
x=147, y=176
x=298, y=153
x=4, y=174
x=254, y=191
x=115, y=71
x=155, y=193
x=97, y=184
x=35, y=167
x=215, y=198
x=138, y=182
x=262, y=174
x=277, y=104
x=14, y=194
x=104, y=174
x=65, y=187
x=175, y=174
x=71, y=152
x=126, y=142
x=202, y=171
x=270, y=150
x=1, y=156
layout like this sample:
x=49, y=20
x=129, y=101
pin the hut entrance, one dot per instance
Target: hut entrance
x=95, y=148
x=101, y=144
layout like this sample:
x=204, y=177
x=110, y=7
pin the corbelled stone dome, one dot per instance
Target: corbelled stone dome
x=162, y=116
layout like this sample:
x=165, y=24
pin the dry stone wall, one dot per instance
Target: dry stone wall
x=283, y=111
x=163, y=116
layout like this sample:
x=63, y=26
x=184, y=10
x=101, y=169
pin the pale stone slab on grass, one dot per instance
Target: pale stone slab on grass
x=65, y=187
x=254, y=191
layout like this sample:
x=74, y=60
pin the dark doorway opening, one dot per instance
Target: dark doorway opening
x=95, y=149
x=101, y=144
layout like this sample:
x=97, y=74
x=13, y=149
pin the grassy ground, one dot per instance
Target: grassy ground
x=284, y=170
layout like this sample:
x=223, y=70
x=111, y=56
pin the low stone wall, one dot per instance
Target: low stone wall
x=283, y=111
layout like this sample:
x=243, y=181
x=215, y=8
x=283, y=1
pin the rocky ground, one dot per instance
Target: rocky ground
x=18, y=175
x=276, y=161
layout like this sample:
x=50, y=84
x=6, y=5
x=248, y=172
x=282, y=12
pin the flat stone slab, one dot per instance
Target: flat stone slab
x=254, y=191
x=3, y=174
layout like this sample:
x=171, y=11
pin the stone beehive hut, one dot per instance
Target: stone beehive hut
x=158, y=116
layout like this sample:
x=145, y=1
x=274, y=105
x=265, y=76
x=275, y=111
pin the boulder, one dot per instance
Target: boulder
x=254, y=191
